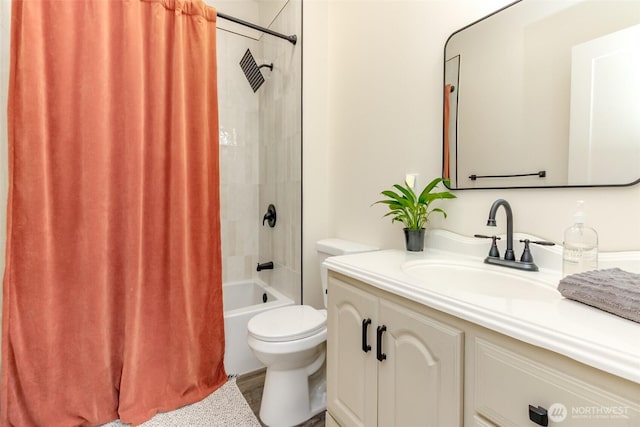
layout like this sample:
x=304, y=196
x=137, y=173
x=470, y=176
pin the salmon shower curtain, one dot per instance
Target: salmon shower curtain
x=112, y=289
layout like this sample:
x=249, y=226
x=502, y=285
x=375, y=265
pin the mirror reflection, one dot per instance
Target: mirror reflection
x=544, y=93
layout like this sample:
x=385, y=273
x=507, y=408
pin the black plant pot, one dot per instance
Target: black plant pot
x=414, y=239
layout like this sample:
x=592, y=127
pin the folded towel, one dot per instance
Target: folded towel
x=613, y=290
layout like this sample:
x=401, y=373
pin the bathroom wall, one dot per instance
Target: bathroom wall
x=382, y=118
x=239, y=153
x=260, y=149
x=315, y=144
x=280, y=153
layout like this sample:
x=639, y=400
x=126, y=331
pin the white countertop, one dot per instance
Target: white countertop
x=586, y=334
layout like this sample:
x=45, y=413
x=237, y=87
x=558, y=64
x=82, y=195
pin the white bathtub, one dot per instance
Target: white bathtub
x=241, y=301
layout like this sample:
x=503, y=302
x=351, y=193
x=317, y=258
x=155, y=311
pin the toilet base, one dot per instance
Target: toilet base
x=292, y=397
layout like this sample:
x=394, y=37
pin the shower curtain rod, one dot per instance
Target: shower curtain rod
x=293, y=39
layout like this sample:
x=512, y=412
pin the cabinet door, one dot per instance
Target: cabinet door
x=329, y=421
x=351, y=372
x=420, y=380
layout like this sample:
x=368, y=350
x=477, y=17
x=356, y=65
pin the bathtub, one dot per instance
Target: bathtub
x=241, y=301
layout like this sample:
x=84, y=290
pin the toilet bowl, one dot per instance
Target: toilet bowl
x=290, y=342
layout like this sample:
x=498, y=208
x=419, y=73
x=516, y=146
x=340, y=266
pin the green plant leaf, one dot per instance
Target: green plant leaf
x=440, y=211
x=391, y=194
x=413, y=211
x=408, y=192
x=430, y=186
x=442, y=195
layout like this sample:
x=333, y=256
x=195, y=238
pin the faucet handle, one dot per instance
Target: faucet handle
x=537, y=242
x=482, y=236
x=493, y=252
x=543, y=243
x=526, y=254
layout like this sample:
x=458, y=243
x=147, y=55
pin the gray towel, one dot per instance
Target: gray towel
x=613, y=290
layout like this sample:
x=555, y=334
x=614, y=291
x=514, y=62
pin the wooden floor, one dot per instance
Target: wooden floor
x=251, y=387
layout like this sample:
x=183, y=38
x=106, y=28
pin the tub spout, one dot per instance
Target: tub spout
x=265, y=266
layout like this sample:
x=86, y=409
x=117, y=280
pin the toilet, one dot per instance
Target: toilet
x=290, y=342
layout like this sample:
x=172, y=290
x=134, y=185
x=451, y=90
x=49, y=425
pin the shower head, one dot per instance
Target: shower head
x=252, y=70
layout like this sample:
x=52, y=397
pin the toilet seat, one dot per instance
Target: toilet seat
x=289, y=323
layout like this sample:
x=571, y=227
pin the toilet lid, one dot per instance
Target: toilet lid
x=287, y=323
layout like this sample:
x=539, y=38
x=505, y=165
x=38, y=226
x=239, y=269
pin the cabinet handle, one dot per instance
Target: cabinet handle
x=379, y=354
x=365, y=325
x=538, y=415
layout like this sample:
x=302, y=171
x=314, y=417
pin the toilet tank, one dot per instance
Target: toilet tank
x=333, y=247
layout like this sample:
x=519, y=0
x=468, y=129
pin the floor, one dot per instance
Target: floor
x=224, y=407
x=251, y=387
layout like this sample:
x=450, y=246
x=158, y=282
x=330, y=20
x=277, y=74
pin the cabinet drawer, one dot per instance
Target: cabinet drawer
x=479, y=421
x=506, y=383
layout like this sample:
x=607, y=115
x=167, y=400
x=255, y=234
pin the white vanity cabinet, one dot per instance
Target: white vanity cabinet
x=504, y=376
x=389, y=364
x=439, y=370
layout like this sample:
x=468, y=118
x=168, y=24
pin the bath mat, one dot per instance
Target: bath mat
x=225, y=407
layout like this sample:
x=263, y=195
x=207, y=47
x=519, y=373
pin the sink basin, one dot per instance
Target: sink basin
x=479, y=280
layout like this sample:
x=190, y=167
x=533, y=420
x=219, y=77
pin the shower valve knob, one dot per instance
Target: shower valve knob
x=270, y=216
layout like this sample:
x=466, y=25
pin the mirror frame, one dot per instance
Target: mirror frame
x=445, y=181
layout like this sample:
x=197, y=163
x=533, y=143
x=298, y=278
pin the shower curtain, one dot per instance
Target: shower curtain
x=112, y=289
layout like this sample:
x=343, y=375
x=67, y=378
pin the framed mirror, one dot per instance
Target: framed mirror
x=544, y=93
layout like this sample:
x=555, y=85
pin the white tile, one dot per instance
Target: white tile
x=260, y=163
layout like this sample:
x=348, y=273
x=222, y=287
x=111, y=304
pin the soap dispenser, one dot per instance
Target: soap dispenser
x=580, y=247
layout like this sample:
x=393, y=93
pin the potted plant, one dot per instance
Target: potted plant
x=413, y=210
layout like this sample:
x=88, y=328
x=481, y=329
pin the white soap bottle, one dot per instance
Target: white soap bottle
x=580, y=247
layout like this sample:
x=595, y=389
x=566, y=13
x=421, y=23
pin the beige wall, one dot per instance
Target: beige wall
x=315, y=144
x=378, y=116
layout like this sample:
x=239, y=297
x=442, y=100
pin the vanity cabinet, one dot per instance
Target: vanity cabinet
x=505, y=376
x=388, y=364
x=395, y=362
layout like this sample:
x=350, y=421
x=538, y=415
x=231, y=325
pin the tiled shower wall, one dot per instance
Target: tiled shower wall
x=280, y=154
x=260, y=156
x=239, y=151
